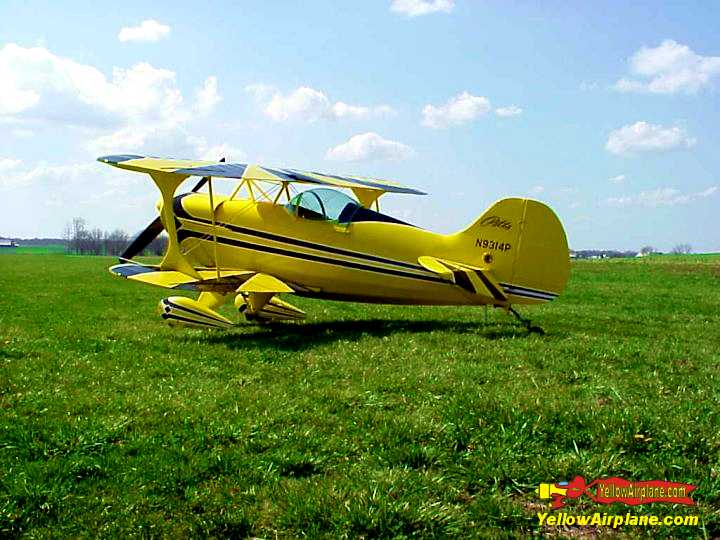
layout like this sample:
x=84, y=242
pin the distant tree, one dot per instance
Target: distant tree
x=68, y=237
x=83, y=241
x=115, y=242
x=157, y=246
x=682, y=249
x=96, y=239
x=77, y=236
x=647, y=250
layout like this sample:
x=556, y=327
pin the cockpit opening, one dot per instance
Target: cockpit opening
x=323, y=204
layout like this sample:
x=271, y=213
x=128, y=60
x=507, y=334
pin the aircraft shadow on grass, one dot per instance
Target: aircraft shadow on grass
x=290, y=337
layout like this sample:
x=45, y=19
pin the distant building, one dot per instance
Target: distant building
x=600, y=254
x=7, y=243
x=641, y=254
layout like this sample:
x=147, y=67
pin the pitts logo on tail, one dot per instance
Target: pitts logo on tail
x=495, y=221
x=612, y=490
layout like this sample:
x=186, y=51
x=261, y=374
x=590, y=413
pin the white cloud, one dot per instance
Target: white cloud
x=148, y=30
x=629, y=85
x=122, y=140
x=167, y=139
x=44, y=174
x=40, y=85
x=139, y=108
x=512, y=110
x=537, y=190
x=343, y=110
x=8, y=164
x=229, y=152
x=661, y=197
x=22, y=133
x=310, y=105
x=304, y=103
x=619, y=179
x=107, y=197
x=645, y=137
x=369, y=147
x=166, y=134
x=217, y=151
x=415, y=8
x=458, y=110
x=260, y=91
x=207, y=97
x=669, y=68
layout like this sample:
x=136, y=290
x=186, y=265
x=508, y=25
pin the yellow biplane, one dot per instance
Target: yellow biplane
x=262, y=240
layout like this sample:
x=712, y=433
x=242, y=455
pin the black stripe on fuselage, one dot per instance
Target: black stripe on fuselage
x=529, y=295
x=518, y=288
x=462, y=279
x=182, y=213
x=183, y=234
x=490, y=287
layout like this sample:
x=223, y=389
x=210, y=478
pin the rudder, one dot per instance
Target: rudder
x=523, y=243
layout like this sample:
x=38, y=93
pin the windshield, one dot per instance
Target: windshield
x=323, y=204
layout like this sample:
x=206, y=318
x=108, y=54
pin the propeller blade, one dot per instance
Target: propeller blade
x=152, y=231
x=142, y=240
x=200, y=184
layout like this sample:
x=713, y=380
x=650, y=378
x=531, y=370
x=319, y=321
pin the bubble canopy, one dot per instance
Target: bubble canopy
x=324, y=204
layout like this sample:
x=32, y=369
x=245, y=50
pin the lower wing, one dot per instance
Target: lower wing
x=254, y=293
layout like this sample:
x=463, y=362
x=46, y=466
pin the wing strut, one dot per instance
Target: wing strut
x=212, y=218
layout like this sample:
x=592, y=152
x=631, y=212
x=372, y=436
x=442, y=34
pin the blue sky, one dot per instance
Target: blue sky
x=606, y=111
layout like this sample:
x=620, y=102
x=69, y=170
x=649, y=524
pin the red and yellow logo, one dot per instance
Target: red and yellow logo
x=614, y=489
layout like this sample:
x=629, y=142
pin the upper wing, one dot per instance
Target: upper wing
x=251, y=172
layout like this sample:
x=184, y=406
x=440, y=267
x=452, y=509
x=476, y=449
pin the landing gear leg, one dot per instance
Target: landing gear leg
x=526, y=322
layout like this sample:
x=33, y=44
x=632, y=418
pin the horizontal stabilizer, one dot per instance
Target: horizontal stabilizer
x=473, y=279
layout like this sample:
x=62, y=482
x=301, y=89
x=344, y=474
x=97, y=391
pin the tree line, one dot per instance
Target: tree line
x=82, y=240
x=679, y=249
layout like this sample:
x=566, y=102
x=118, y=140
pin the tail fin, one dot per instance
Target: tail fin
x=523, y=243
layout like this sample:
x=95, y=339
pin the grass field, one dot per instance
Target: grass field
x=35, y=250
x=365, y=421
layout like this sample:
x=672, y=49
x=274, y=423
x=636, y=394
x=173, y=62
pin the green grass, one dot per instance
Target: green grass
x=365, y=421
x=35, y=250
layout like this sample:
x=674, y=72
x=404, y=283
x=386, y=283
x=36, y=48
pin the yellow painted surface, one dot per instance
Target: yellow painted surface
x=514, y=253
x=262, y=237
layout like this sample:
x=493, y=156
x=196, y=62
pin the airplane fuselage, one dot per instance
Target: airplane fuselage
x=324, y=259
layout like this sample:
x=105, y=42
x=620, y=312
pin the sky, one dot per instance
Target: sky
x=606, y=111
